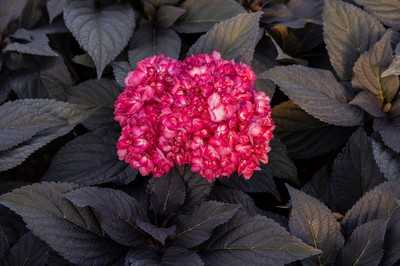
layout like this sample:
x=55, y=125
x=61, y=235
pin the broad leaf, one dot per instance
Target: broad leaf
x=312, y=222
x=389, y=130
x=167, y=15
x=27, y=125
x=73, y=232
x=167, y=193
x=369, y=67
x=98, y=95
x=305, y=136
x=201, y=16
x=235, y=38
x=387, y=161
x=197, y=190
x=254, y=241
x=90, y=159
x=348, y=32
x=158, y=233
x=318, y=93
x=176, y=256
x=150, y=40
x=392, y=244
x=29, y=250
x=388, y=11
x=196, y=228
x=120, y=70
x=378, y=203
x=394, y=67
x=55, y=8
x=142, y=257
x=234, y=196
x=117, y=212
x=280, y=163
x=369, y=103
x=354, y=171
x=102, y=33
x=36, y=44
x=9, y=11
x=365, y=246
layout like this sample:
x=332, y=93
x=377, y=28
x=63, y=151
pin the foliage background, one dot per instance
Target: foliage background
x=329, y=195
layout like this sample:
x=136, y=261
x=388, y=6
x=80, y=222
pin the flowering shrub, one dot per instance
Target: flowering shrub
x=203, y=111
x=199, y=132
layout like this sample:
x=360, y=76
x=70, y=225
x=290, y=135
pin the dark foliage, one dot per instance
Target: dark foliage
x=329, y=195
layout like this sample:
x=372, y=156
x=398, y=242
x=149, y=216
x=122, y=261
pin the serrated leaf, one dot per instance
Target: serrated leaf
x=312, y=222
x=354, y=171
x=102, y=33
x=117, y=212
x=378, y=203
x=177, y=256
x=167, y=193
x=196, y=228
x=318, y=93
x=142, y=257
x=348, y=32
x=99, y=95
x=280, y=163
x=369, y=103
x=120, y=70
x=31, y=124
x=388, y=11
x=197, y=190
x=90, y=159
x=167, y=15
x=73, y=232
x=392, y=245
x=365, y=246
x=235, y=38
x=201, y=16
x=369, y=67
x=150, y=40
x=389, y=130
x=254, y=241
x=29, y=250
x=55, y=8
x=261, y=181
x=394, y=67
x=387, y=161
x=234, y=196
x=158, y=233
x=304, y=135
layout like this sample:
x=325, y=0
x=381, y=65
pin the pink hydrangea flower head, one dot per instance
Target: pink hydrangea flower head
x=203, y=112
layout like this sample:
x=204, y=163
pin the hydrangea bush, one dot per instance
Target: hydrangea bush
x=198, y=132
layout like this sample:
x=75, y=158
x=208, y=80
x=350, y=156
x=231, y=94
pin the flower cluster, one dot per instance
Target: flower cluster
x=203, y=111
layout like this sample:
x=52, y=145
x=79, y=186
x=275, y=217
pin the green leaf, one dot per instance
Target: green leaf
x=90, y=159
x=102, y=33
x=312, y=222
x=348, y=32
x=365, y=246
x=117, y=212
x=354, y=171
x=167, y=15
x=150, y=40
x=378, y=203
x=196, y=228
x=167, y=193
x=388, y=11
x=98, y=95
x=72, y=232
x=201, y=15
x=387, y=161
x=27, y=125
x=369, y=67
x=28, y=251
x=235, y=38
x=318, y=93
x=304, y=135
x=254, y=241
x=55, y=8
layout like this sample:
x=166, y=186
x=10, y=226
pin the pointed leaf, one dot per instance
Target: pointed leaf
x=167, y=15
x=198, y=189
x=387, y=161
x=312, y=222
x=90, y=159
x=235, y=38
x=55, y=8
x=348, y=32
x=318, y=93
x=29, y=250
x=158, y=233
x=389, y=130
x=104, y=33
x=392, y=245
x=73, y=232
x=201, y=16
x=388, y=11
x=234, y=196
